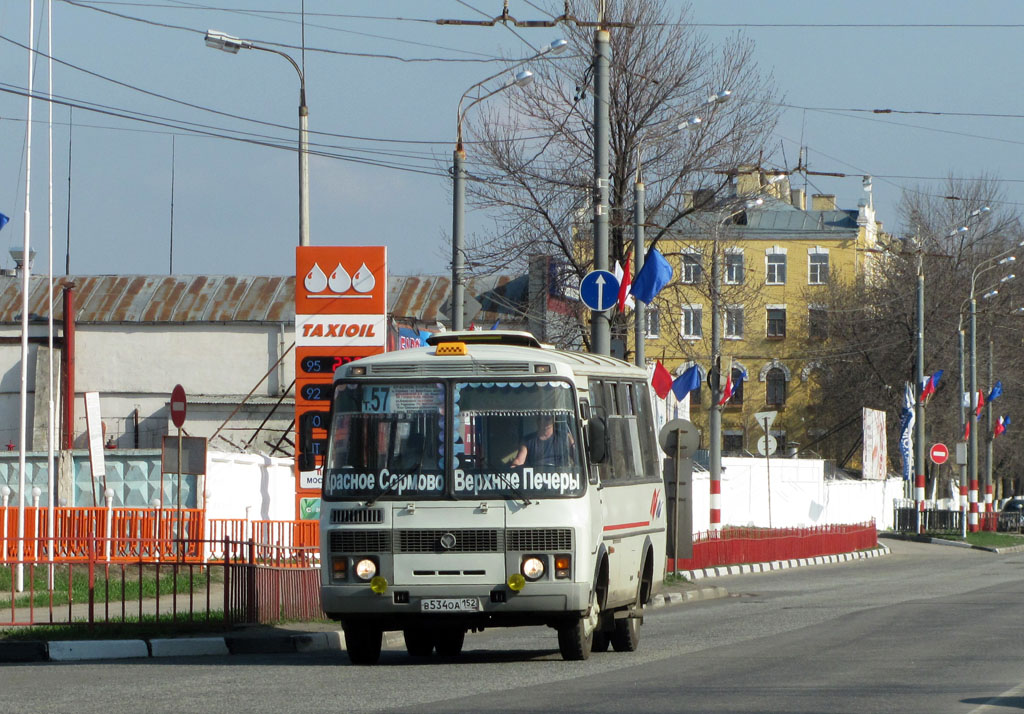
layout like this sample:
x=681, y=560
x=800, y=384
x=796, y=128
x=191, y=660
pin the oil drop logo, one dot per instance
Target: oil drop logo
x=340, y=284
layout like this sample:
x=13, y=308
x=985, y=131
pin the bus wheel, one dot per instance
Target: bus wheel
x=626, y=636
x=418, y=643
x=576, y=637
x=362, y=643
x=449, y=642
x=600, y=641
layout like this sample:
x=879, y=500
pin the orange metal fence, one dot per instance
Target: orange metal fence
x=154, y=535
x=94, y=591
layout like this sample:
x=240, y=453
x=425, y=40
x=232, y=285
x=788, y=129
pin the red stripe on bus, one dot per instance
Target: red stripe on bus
x=620, y=526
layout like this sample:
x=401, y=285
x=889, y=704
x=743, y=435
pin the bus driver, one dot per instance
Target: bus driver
x=546, y=447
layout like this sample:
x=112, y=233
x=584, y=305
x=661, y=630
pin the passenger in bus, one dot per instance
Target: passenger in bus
x=547, y=446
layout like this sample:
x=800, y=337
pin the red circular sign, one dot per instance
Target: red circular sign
x=938, y=453
x=178, y=405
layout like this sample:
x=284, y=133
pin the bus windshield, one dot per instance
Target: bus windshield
x=387, y=439
x=516, y=440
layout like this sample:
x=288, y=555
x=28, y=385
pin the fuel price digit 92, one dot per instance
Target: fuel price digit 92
x=316, y=392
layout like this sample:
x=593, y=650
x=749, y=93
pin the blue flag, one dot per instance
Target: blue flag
x=652, y=277
x=495, y=325
x=3, y=220
x=997, y=391
x=686, y=382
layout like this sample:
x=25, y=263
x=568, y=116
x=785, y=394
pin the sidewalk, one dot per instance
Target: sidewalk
x=319, y=636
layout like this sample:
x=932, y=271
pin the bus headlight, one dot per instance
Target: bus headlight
x=533, y=567
x=366, y=569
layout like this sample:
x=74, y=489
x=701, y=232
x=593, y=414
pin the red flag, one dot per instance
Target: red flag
x=981, y=403
x=999, y=428
x=625, y=299
x=662, y=380
x=727, y=391
x=967, y=430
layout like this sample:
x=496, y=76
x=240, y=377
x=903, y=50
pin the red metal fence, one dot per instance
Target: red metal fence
x=734, y=546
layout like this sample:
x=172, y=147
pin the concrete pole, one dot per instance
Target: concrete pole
x=303, y=165
x=963, y=423
x=972, y=447
x=458, y=236
x=639, y=308
x=715, y=411
x=989, y=482
x=600, y=324
x=919, y=450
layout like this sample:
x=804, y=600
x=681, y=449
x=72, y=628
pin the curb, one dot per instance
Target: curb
x=78, y=650
x=694, y=575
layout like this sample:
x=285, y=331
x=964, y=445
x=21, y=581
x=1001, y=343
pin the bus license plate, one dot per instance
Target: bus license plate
x=450, y=604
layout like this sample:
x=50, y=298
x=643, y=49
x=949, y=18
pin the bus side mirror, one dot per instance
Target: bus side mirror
x=306, y=457
x=597, y=439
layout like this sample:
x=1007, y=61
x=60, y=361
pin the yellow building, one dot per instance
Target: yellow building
x=777, y=258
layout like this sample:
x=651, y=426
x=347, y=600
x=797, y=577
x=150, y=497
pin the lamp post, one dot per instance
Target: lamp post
x=639, y=238
x=1003, y=258
x=227, y=43
x=715, y=409
x=520, y=79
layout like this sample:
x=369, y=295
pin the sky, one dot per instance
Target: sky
x=203, y=179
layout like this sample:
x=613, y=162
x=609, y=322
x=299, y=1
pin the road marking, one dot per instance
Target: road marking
x=1010, y=698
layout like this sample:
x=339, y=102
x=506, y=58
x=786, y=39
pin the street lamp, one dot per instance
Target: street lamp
x=639, y=219
x=714, y=408
x=520, y=79
x=227, y=43
x=972, y=450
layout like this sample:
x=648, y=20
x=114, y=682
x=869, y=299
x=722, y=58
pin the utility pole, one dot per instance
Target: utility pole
x=919, y=449
x=639, y=308
x=600, y=324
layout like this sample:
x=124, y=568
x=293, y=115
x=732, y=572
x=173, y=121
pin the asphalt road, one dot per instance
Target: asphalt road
x=926, y=629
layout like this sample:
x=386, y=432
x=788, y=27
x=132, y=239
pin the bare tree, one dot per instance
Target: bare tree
x=871, y=352
x=531, y=161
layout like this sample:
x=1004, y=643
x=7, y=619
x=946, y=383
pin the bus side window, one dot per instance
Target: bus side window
x=648, y=438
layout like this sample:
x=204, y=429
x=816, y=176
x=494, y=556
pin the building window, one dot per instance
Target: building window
x=776, y=322
x=691, y=268
x=653, y=320
x=776, y=269
x=691, y=327
x=734, y=322
x=732, y=443
x=734, y=268
x=775, y=387
x=817, y=323
x=817, y=267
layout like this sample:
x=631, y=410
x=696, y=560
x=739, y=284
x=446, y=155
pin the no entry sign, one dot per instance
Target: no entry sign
x=938, y=453
x=178, y=406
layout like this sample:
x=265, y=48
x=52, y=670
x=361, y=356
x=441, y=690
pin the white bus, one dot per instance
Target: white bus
x=488, y=481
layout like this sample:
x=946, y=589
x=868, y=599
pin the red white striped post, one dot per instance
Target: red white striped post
x=919, y=497
x=989, y=506
x=972, y=496
x=716, y=504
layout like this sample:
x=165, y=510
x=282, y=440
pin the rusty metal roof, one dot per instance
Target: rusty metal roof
x=181, y=299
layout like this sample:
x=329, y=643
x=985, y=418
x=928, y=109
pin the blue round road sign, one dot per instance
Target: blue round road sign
x=599, y=290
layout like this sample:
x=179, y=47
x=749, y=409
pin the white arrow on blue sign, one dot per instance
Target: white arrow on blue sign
x=599, y=290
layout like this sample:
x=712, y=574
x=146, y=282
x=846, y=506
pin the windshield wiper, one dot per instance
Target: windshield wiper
x=515, y=491
x=392, y=482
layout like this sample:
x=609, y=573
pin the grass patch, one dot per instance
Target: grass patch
x=675, y=579
x=988, y=539
x=132, y=628
x=110, y=584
